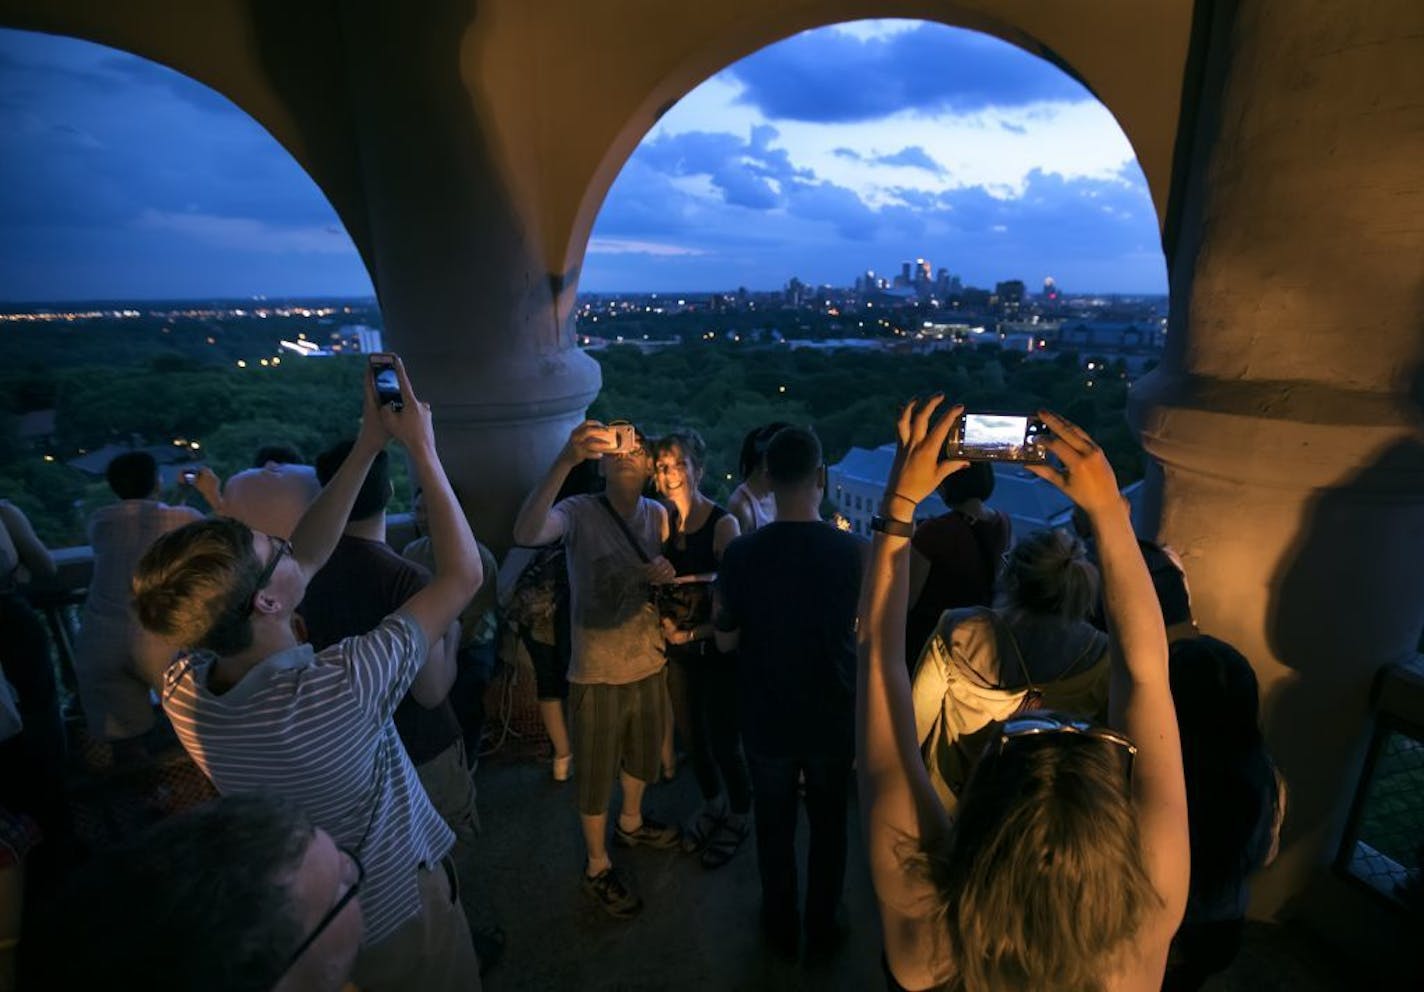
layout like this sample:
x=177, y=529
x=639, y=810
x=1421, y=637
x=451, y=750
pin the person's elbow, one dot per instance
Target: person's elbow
x=727, y=640
x=529, y=533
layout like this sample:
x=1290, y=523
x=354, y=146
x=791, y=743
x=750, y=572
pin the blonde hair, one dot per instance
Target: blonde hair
x=1042, y=881
x=1049, y=574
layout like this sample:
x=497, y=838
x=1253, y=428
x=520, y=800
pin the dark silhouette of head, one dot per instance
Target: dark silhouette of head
x=132, y=475
x=754, y=444
x=793, y=459
x=975, y=481
x=375, y=490
x=232, y=864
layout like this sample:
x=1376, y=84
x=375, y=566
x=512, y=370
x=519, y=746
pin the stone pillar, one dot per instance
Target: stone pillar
x=454, y=249
x=1286, y=414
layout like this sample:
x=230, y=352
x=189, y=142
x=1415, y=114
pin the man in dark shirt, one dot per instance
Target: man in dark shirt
x=362, y=583
x=786, y=602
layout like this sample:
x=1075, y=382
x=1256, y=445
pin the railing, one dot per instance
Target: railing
x=1383, y=843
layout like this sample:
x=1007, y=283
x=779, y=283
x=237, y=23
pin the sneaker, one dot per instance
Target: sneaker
x=563, y=768
x=614, y=893
x=650, y=834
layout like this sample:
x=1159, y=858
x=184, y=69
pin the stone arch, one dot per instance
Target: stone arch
x=1024, y=28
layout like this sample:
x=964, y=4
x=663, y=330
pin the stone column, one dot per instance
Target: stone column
x=1286, y=414
x=454, y=249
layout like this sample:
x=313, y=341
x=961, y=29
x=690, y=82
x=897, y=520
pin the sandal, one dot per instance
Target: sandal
x=699, y=833
x=725, y=842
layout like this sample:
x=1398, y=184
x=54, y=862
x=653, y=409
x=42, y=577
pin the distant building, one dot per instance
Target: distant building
x=856, y=485
x=368, y=339
x=1111, y=336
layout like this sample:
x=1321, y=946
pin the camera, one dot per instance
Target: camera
x=618, y=436
x=624, y=436
x=387, y=382
x=1002, y=437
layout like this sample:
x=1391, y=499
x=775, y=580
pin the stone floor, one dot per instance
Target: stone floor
x=699, y=929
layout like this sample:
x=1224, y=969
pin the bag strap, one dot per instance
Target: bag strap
x=623, y=526
x=1000, y=627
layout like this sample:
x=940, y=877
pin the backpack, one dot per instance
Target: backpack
x=535, y=598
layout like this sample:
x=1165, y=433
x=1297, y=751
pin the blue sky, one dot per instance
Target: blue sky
x=838, y=150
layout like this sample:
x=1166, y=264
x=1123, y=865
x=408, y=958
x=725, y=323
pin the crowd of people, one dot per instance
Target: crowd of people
x=1009, y=713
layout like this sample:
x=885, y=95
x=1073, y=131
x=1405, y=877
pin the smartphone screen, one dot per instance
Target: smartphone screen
x=998, y=437
x=387, y=383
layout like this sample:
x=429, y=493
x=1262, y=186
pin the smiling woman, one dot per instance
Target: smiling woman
x=850, y=147
x=137, y=182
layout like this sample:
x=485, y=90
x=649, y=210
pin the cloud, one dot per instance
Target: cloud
x=118, y=172
x=834, y=76
x=1092, y=234
x=914, y=157
x=626, y=246
x=247, y=234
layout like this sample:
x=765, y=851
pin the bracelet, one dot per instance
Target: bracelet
x=893, y=527
x=904, y=497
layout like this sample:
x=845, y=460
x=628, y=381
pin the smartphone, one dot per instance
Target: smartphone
x=189, y=476
x=383, y=374
x=1002, y=437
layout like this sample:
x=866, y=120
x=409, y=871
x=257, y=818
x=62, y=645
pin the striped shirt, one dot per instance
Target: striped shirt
x=316, y=727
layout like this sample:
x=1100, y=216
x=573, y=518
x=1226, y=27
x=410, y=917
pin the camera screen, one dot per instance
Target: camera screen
x=990, y=431
x=387, y=384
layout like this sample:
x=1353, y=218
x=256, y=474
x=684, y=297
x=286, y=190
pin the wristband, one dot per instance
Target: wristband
x=891, y=526
x=903, y=497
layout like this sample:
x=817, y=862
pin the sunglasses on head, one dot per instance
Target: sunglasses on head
x=1037, y=724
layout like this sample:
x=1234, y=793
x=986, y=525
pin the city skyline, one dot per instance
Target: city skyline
x=837, y=150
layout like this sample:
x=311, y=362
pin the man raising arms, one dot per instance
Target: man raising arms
x=259, y=711
x=617, y=701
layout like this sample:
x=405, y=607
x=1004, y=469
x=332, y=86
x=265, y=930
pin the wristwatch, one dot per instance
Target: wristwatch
x=891, y=526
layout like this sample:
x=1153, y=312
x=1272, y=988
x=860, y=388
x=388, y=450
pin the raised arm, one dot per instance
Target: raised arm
x=321, y=525
x=899, y=810
x=1140, y=695
x=458, y=572
x=535, y=525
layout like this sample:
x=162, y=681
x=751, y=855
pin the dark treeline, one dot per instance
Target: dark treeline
x=720, y=388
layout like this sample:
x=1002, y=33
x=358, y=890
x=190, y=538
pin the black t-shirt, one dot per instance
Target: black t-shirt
x=361, y=584
x=791, y=589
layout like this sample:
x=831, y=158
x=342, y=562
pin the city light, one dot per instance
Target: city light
x=241, y=364
x=49, y=458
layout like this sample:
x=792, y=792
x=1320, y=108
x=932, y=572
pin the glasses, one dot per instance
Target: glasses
x=334, y=911
x=280, y=547
x=1038, y=724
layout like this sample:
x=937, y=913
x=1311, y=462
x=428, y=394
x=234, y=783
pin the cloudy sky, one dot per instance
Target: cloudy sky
x=839, y=150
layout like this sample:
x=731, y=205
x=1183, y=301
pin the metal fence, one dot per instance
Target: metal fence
x=1384, y=842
